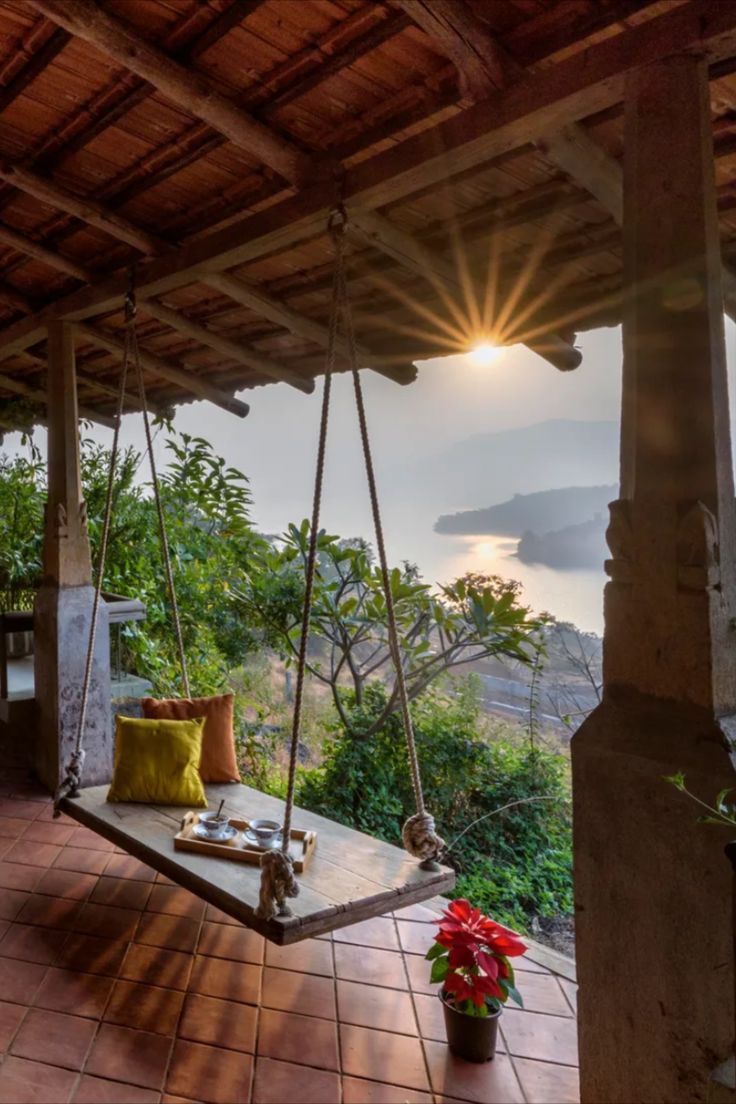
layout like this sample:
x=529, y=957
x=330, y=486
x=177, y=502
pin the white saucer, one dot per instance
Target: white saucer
x=253, y=841
x=227, y=833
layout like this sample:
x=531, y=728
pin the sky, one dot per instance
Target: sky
x=452, y=399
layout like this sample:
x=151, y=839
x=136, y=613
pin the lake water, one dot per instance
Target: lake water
x=575, y=596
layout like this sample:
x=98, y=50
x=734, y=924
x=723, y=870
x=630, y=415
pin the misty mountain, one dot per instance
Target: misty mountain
x=542, y=512
x=495, y=466
x=574, y=546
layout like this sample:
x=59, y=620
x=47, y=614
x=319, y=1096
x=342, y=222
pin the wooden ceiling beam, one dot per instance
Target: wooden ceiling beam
x=189, y=380
x=37, y=58
x=50, y=257
x=19, y=387
x=233, y=350
x=193, y=92
x=543, y=101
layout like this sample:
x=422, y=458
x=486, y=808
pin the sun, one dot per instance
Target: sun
x=484, y=354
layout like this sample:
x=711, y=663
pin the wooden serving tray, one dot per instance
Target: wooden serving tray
x=301, y=846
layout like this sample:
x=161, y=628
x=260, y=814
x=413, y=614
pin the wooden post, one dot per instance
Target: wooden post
x=652, y=892
x=64, y=601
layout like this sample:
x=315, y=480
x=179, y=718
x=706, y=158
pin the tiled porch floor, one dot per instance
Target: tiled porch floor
x=117, y=986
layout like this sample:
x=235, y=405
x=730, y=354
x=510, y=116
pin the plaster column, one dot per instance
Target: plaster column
x=64, y=601
x=652, y=885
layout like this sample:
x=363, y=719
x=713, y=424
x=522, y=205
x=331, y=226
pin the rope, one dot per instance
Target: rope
x=418, y=834
x=165, y=550
x=277, y=874
x=69, y=786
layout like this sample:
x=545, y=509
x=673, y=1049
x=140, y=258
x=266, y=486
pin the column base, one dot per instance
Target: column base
x=653, y=890
x=62, y=619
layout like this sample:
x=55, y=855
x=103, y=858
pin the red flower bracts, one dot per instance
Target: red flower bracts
x=471, y=958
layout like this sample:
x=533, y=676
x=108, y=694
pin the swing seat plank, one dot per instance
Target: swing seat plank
x=351, y=876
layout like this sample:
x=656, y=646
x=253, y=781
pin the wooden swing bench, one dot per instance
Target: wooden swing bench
x=351, y=876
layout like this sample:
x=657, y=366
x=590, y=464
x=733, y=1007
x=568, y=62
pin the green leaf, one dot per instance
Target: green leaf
x=440, y=970
x=435, y=951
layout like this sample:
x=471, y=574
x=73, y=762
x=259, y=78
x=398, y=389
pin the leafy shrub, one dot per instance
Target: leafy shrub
x=515, y=863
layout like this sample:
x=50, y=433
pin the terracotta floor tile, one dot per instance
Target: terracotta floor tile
x=96, y=1090
x=32, y=944
x=415, y=937
x=34, y=1083
x=546, y=1083
x=217, y=977
x=13, y=827
x=110, y=922
x=481, y=1082
x=399, y=1058
x=175, y=900
x=54, y=1038
x=19, y=981
x=418, y=971
x=135, y=1057
x=122, y=892
x=421, y=913
x=357, y=1091
x=11, y=902
x=219, y=1023
x=307, y=994
x=211, y=1075
x=374, y=1006
x=430, y=1015
x=570, y=990
x=546, y=1038
x=369, y=965
x=380, y=931
x=542, y=993
x=32, y=854
x=64, y=989
x=301, y=1039
x=10, y=1018
x=313, y=956
x=145, y=1007
x=158, y=929
x=217, y=916
x=157, y=966
x=6, y=845
x=15, y=807
x=78, y=858
x=17, y=876
x=59, y=818
x=226, y=941
x=44, y=831
x=92, y=955
x=66, y=883
x=49, y=912
x=276, y=1082
x=125, y=866
x=84, y=837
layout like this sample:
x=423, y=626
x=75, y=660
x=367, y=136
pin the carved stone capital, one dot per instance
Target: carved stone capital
x=620, y=539
x=697, y=548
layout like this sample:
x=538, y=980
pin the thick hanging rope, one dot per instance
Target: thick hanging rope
x=72, y=780
x=277, y=871
x=419, y=833
x=165, y=551
x=69, y=787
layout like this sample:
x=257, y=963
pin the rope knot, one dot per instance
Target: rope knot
x=277, y=883
x=419, y=836
x=337, y=223
x=72, y=780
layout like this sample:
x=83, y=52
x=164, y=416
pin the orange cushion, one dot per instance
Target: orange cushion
x=218, y=762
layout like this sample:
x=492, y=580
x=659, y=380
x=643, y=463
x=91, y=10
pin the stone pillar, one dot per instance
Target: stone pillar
x=652, y=885
x=64, y=601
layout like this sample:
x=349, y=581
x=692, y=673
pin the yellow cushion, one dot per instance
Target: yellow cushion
x=157, y=762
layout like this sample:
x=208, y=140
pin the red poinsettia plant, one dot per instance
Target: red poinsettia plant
x=471, y=958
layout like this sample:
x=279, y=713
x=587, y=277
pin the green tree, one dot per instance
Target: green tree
x=473, y=618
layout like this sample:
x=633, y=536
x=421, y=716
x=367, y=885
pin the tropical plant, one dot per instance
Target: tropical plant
x=470, y=958
x=721, y=812
x=468, y=620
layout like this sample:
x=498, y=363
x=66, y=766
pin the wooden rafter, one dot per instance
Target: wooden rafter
x=555, y=96
x=36, y=394
x=193, y=92
x=189, y=380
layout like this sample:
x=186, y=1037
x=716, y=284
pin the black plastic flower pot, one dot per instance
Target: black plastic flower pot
x=470, y=1037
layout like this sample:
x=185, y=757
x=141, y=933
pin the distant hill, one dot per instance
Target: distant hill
x=575, y=546
x=491, y=467
x=541, y=511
